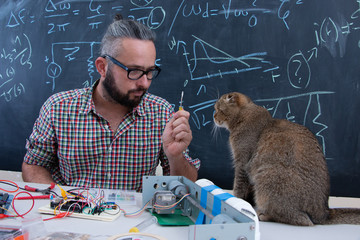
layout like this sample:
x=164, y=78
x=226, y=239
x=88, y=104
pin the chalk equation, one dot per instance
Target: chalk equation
x=16, y=57
x=329, y=34
x=62, y=16
x=66, y=16
x=205, y=54
x=249, y=10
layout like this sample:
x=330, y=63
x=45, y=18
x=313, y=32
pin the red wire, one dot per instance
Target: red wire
x=32, y=206
x=60, y=215
x=9, y=191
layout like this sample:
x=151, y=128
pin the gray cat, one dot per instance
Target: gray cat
x=279, y=165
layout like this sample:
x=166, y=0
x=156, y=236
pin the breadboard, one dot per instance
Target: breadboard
x=109, y=216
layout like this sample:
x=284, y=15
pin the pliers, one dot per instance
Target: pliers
x=46, y=192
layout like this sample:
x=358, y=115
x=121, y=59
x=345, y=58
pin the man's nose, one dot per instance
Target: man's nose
x=143, y=81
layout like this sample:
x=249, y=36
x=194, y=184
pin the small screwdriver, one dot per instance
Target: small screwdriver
x=181, y=101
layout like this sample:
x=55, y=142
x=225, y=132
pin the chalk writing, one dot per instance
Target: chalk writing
x=17, y=55
x=12, y=92
x=154, y=19
x=200, y=111
x=244, y=63
x=19, y=18
x=298, y=69
x=274, y=104
x=71, y=52
x=246, y=9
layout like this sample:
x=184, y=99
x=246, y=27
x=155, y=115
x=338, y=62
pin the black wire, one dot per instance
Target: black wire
x=114, y=204
x=15, y=186
x=73, y=191
x=53, y=192
x=77, y=189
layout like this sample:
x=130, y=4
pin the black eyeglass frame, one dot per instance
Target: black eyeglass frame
x=129, y=70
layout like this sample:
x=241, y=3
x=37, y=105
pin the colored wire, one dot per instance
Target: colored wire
x=60, y=215
x=11, y=183
x=13, y=206
x=83, y=198
x=8, y=210
x=137, y=213
x=156, y=206
x=117, y=207
x=89, y=204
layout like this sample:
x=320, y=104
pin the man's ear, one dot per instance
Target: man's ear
x=101, y=66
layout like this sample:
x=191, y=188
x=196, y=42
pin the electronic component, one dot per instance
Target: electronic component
x=82, y=203
x=5, y=200
x=163, y=201
x=75, y=205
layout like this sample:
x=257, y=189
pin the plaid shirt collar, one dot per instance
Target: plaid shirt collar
x=88, y=104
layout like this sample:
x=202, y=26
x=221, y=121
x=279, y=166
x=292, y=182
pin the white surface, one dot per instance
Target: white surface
x=276, y=231
x=103, y=230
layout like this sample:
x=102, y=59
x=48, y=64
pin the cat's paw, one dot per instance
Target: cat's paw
x=263, y=217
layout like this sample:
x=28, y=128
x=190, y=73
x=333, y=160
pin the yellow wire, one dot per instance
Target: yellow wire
x=172, y=205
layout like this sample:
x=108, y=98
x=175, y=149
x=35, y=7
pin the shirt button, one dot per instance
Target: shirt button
x=110, y=149
x=109, y=175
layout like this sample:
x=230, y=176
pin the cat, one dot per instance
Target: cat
x=279, y=165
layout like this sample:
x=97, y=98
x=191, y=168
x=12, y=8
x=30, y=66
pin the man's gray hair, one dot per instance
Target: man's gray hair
x=120, y=29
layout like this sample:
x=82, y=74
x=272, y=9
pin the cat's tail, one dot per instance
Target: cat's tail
x=344, y=216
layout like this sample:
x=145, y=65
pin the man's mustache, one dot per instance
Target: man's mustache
x=138, y=90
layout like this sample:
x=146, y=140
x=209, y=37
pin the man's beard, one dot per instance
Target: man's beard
x=118, y=97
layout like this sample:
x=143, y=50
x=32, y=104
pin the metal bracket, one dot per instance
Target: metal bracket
x=219, y=219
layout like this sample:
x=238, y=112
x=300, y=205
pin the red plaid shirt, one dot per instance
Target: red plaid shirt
x=78, y=147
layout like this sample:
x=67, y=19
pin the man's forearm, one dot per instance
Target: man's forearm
x=181, y=167
x=36, y=174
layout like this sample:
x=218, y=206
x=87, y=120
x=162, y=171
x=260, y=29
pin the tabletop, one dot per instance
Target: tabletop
x=104, y=229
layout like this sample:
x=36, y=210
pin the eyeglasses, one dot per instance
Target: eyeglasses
x=135, y=74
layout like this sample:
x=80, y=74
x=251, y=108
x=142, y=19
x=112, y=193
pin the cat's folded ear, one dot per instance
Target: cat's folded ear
x=233, y=98
x=237, y=98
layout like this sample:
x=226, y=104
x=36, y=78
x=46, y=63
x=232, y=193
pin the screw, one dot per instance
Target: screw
x=189, y=211
x=242, y=238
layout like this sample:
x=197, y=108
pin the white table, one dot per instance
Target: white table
x=103, y=230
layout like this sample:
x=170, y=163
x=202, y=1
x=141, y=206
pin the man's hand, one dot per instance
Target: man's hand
x=177, y=134
x=176, y=138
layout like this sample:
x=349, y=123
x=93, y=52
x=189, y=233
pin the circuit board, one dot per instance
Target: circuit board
x=5, y=201
x=109, y=215
x=103, y=205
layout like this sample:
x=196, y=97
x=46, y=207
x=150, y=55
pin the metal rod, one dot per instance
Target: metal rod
x=196, y=204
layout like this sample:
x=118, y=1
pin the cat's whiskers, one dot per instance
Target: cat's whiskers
x=215, y=131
